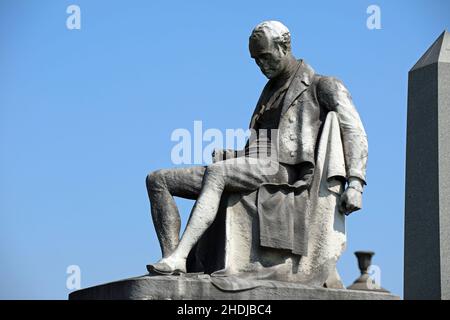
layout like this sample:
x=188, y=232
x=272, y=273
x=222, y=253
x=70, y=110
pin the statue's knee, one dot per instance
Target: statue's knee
x=215, y=169
x=154, y=180
x=216, y=173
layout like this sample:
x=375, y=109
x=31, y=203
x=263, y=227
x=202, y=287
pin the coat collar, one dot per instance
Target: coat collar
x=301, y=81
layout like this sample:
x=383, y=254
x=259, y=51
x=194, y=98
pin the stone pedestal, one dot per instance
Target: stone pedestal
x=200, y=287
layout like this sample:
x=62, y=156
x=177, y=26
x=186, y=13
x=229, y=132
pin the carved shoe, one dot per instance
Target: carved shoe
x=164, y=268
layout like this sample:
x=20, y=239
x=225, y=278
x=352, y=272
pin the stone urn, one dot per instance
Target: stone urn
x=365, y=281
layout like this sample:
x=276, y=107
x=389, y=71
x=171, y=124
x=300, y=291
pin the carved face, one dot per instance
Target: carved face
x=270, y=57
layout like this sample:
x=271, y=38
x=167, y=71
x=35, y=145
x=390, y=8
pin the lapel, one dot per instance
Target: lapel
x=258, y=106
x=299, y=84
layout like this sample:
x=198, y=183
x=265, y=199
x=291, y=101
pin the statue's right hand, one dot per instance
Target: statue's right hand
x=223, y=154
x=218, y=155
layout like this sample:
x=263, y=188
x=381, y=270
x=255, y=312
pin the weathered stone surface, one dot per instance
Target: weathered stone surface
x=306, y=159
x=427, y=207
x=200, y=287
x=247, y=249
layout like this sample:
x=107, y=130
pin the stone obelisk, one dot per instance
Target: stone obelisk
x=427, y=207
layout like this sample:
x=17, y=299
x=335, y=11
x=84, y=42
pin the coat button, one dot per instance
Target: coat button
x=292, y=137
x=292, y=119
x=293, y=153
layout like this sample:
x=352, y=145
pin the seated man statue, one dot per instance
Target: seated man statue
x=287, y=122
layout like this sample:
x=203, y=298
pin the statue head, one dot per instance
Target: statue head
x=270, y=46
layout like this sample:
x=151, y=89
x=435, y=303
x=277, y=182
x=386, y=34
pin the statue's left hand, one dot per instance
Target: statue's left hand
x=351, y=201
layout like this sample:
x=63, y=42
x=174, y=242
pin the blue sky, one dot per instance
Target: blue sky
x=86, y=114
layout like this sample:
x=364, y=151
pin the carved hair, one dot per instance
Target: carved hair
x=274, y=30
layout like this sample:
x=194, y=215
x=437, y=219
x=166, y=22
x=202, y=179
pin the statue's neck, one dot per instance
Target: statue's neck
x=288, y=72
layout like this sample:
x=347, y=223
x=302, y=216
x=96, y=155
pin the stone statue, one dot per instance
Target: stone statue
x=311, y=173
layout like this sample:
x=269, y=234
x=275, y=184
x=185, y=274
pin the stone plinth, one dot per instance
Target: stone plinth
x=200, y=287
